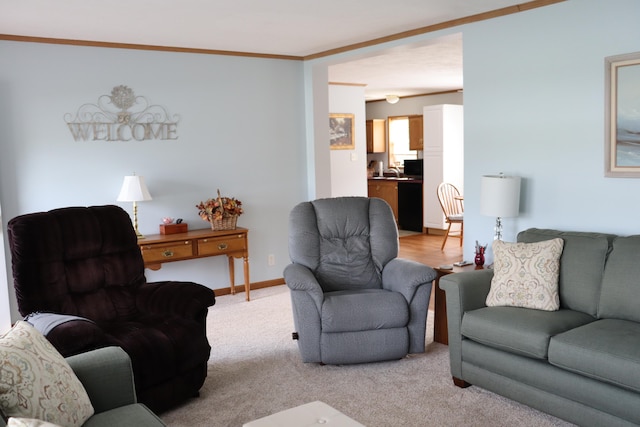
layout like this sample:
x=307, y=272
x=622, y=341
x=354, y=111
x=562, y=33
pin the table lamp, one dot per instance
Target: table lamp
x=500, y=197
x=134, y=190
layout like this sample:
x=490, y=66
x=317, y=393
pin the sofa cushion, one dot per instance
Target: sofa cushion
x=36, y=381
x=607, y=350
x=364, y=309
x=621, y=284
x=519, y=330
x=526, y=275
x=581, y=265
x=135, y=415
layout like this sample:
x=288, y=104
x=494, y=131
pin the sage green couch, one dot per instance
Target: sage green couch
x=108, y=379
x=580, y=363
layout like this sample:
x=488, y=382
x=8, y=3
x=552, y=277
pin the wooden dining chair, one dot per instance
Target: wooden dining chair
x=452, y=205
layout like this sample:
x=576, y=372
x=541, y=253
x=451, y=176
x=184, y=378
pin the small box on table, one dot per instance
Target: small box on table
x=173, y=228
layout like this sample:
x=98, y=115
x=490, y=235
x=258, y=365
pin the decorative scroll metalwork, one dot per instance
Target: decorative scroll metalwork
x=122, y=116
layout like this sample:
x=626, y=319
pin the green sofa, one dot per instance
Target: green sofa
x=108, y=379
x=580, y=363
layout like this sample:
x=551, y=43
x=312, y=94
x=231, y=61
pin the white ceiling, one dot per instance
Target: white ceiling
x=296, y=28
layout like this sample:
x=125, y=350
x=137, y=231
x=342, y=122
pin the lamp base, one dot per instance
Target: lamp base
x=498, y=229
x=135, y=221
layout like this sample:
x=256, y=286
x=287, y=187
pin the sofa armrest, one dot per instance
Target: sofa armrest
x=413, y=280
x=107, y=377
x=300, y=278
x=464, y=292
x=184, y=299
x=405, y=276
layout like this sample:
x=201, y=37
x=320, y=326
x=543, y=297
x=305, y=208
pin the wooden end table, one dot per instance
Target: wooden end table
x=440, y=329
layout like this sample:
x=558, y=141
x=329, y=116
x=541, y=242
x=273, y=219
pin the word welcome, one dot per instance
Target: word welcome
x=123, y=132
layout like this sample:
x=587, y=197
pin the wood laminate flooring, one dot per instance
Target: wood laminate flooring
x=425, y=248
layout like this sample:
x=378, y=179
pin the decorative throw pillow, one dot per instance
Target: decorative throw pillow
x=526, y=274
x=36, y=381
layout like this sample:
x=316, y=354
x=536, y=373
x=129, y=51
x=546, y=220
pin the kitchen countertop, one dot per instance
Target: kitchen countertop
x=396, y=178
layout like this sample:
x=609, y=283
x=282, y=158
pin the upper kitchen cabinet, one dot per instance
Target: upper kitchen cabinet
x=415, y=133
x=376, y=136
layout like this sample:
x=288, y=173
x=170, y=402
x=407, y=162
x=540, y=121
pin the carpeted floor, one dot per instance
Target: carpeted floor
x=255, y=370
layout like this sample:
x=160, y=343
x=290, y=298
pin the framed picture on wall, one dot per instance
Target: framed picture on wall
x=341, y=132
x=622, y=141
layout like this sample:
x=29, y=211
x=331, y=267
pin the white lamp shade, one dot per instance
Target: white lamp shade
x=134, y=190
x=500, y=196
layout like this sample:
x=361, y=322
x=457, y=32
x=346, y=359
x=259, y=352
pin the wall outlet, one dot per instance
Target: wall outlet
x=271, y=260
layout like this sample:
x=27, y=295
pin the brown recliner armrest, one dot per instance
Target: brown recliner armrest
x=185, y=299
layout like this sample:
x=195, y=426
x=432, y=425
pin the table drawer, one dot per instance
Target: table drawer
x=168, y=252
x=222, y=245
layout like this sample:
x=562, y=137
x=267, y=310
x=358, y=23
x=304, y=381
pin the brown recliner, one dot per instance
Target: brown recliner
x=85, y=261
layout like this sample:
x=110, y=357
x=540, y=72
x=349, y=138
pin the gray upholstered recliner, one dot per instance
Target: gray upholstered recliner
x=353, y=300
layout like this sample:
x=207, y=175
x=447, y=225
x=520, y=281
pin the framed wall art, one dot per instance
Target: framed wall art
x=341, y=132
x=622, y=122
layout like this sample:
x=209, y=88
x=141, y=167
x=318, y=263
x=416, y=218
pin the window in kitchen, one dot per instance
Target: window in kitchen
x=399, y=142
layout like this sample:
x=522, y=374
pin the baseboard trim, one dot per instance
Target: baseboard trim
x=258, y=285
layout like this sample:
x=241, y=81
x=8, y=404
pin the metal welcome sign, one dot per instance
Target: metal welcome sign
x=122, y=116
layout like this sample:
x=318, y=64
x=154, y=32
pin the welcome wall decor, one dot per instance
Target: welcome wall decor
x=122, y=116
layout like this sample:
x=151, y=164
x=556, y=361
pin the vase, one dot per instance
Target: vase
x=479, y=260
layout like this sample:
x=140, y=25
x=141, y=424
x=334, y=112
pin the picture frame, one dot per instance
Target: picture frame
x=622, y=118
x=341, y=131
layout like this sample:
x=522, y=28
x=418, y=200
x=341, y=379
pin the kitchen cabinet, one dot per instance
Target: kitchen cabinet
x=443, y=157
x=416, y=134
x=376, y=136
x=386, y=190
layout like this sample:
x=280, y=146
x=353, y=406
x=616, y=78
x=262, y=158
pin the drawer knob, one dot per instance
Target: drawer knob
x=222, y=246
x=167, y=254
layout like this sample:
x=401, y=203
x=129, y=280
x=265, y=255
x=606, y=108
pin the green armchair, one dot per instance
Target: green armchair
x=107, y=377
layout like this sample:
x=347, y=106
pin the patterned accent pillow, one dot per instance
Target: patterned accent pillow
x=36, y=381
x=526, y=275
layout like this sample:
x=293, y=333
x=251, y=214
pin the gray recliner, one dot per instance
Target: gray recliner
x=354, y=300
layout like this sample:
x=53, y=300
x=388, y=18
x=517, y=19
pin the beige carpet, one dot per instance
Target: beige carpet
x=255, y=370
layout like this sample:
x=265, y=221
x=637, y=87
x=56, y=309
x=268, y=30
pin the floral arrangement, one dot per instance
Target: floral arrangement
x=219, y=208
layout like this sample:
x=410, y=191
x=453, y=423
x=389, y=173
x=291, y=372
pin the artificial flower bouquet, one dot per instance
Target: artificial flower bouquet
x=221, y=212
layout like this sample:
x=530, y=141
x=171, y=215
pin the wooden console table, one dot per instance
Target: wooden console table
x=160, y=248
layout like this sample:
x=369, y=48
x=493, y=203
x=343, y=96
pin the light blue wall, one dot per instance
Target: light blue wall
x=242, y=130
x=345, y=164
x=534, y=97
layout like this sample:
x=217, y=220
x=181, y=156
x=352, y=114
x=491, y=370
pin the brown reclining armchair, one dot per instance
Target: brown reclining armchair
x=85, y=262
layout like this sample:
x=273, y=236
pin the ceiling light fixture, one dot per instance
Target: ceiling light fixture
x=392, y=99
